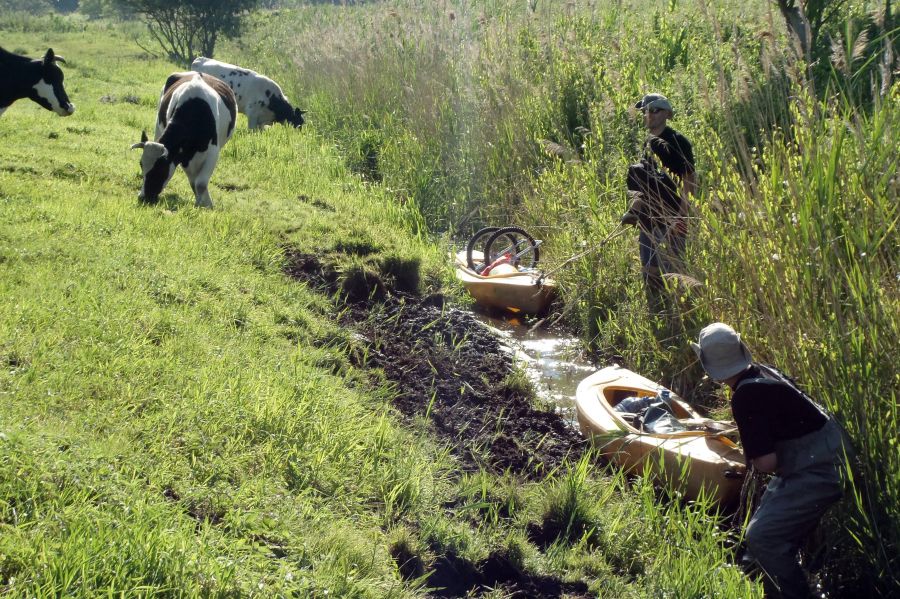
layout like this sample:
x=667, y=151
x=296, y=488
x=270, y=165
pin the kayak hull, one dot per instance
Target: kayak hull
x=507, y=288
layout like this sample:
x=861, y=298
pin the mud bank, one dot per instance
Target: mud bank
x=447, y=366
x=452, y=370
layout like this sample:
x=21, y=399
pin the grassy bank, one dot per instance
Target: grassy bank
x=495, y=112
x=179, y=418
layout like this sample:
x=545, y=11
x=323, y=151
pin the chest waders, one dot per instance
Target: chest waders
x=806, y=483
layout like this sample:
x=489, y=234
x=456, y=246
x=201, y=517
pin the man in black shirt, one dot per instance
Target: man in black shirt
x=659, y=187
x=785, y=432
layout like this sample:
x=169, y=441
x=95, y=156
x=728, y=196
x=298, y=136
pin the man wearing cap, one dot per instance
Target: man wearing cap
x=784, y=432
x=659, y=188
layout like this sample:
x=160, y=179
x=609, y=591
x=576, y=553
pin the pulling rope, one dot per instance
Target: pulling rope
x=615, y=233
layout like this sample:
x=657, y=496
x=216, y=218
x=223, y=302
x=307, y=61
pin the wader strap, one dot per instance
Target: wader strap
x=774, y=374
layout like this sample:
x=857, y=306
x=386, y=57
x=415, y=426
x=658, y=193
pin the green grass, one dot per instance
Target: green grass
x=179, y=418
x=176, y=410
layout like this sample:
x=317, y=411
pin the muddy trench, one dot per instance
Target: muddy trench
x=450, y=368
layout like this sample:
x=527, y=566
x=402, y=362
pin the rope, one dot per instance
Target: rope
x=615, y=233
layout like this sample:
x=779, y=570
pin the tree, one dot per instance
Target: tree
x=35, y=7
x=806, y=18
x=190, y=28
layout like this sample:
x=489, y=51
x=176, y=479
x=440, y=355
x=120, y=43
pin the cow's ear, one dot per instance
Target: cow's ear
x=50, y=58
x=143, y=141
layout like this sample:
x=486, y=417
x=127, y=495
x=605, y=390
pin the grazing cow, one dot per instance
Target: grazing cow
x=258, y=97
x=195, y=118
x=40, y=80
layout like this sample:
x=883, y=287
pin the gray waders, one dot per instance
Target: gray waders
x=806, y=483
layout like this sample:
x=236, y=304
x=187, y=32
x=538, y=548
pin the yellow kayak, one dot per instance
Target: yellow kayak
x=690, y=452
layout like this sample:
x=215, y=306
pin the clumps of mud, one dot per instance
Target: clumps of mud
x=452, y=576
x=447, y=366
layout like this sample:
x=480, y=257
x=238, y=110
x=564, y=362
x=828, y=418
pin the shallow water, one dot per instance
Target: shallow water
x=555, y=364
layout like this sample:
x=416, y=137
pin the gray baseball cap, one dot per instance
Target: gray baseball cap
x=654, y=101
x=721, y=351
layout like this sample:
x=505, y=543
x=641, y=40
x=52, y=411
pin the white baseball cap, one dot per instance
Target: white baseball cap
x=654, y=101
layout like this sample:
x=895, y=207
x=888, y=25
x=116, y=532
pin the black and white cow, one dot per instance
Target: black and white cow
x=195, y=119
x=260, y=98
x=40, y=80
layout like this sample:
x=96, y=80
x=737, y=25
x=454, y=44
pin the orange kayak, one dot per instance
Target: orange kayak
x=695, y=454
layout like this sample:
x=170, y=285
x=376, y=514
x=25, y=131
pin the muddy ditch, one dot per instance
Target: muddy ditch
x=452, y=370
x=448, y=366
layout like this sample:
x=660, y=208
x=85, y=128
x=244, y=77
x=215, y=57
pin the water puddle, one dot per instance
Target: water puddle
x=554, y=363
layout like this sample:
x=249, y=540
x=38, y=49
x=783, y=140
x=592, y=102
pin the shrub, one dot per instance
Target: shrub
x=188, y=29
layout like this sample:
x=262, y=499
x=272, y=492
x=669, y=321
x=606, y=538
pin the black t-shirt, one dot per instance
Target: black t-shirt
x=768, y=411
x=671, y=150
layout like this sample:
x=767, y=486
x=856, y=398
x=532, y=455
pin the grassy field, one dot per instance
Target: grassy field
x=178, y=418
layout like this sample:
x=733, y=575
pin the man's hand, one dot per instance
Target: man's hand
x=679, y=225
x=766, y=463
x=629, y=218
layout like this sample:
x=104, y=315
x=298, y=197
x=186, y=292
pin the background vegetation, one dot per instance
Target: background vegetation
x=177, y=412
x=493, y=112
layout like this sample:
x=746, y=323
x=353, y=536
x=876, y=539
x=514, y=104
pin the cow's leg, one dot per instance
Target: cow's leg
x=199, y=176
x=201, y=193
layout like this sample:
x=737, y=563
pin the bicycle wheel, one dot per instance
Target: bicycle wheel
x=515, y=241
x=475, y=254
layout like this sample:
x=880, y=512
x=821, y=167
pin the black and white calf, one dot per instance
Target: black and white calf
x=260, y=98
x=40, y=80
x=195, y=118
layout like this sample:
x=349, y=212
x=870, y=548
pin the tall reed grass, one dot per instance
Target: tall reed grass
x=497, y=111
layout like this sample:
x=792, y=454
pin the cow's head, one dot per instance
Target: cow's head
x=49, y=91
x=157, y=167
x=284, y=112
x=297, y=118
